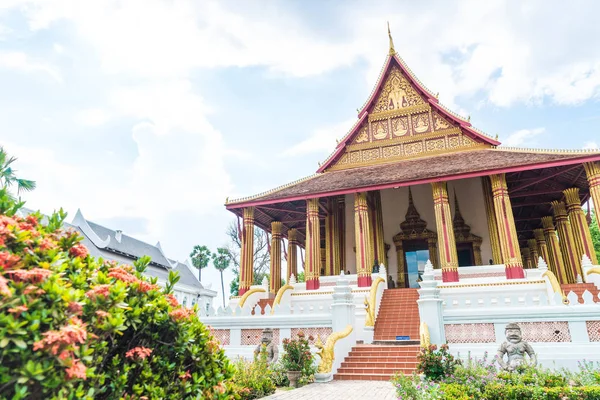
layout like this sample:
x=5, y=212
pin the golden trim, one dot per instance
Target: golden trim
x=371, y=302
x=391, y=160
x=424, y=335
x=279, y=295
x=311, y=292
x=271, y=191
x=248, y=293
x=491, y=284
x=399, y=112
x=412, y=138
x=593, y=270
x=555, y=285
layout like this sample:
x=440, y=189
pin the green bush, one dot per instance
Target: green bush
x=252, y=378
x=298, y=357
x=76, y=327
x=435, y=364
x=279, y=375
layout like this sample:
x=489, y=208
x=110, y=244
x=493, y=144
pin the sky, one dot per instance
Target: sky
x=147, y=114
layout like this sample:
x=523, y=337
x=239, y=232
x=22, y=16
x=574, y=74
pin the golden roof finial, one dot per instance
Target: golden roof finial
x=392, y=51
x=469, y=118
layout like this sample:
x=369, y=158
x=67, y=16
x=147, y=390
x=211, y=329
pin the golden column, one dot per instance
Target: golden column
x=557, y=264
x=341, y=229
x=332, y=238
x=581, y=229
x=401, y=274
x=526, y=258
x=533, y=250
x=362, y=230
x=247, y=251
x=445, y=233
x=491, y=220
x=275, y=262
x=592, y=170
x=567, y=242
x=379, y=241
x=509, y=243
x=542, y=247
x=313, y=245
x=433, y=256
x=292, y=254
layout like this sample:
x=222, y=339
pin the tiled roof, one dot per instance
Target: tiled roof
x=475, y=162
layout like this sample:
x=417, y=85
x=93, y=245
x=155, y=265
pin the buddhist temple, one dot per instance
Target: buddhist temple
x=411, y=181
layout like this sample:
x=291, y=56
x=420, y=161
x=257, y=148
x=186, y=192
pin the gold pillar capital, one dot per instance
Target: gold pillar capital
x=547, y=223
x=539, y=234
x=276, y=228
x=292, y=235
x=559, y=209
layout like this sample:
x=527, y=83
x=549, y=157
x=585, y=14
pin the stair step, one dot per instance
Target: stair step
x=363, y=377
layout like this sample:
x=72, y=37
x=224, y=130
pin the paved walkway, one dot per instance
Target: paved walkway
x=339, y=390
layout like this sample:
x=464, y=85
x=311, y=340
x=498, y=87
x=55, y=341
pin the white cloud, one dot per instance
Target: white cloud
x=92, y=117
x=19, y=61
x=321, y=140
x=522, y=137
x=591, y=146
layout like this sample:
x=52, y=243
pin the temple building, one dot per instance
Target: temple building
x=413, y=181
x=114, y=245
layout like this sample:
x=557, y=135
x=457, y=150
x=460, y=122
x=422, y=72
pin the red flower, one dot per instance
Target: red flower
x=146, y=286
x=121, y=274
x=47, y=244
x=35, y=275
x=102, y=313
x=79, y=250
x=76, y=370
x=8, y=260
x=4, y=289
x=56, y=341
x=99, y=290
x=172, y=300
x=185, y=376
x=180, y=314
x=18, y=310
x=75, y=308
x=139, y=352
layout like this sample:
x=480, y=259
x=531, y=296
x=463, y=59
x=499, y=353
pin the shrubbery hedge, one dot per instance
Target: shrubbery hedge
x=76, y=327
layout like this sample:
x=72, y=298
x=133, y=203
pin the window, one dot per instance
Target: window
x=193, y=302
x=185, y=301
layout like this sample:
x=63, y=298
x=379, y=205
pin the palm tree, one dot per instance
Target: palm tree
x=200, y=256
x=7, y=174
x=221, y=262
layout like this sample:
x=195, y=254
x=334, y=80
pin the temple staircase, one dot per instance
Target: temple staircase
x=398, y=317
x=579, y=288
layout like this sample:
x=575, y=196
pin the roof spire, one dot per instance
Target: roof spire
x=392, y=51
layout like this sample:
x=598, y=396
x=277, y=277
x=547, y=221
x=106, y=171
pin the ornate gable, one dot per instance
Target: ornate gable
x=402, y=120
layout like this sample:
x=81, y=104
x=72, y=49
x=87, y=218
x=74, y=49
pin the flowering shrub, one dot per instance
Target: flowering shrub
x=298, y=357
x=253, y=379
x=76, y=327
x=436, y=364
x=480, y=379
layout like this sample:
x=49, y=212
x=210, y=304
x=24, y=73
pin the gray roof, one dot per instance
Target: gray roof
x=127, y=250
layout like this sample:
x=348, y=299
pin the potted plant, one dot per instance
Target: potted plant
x=297, y=357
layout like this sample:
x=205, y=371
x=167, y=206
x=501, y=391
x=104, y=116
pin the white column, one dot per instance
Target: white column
x=342, y=315
x=430, y=306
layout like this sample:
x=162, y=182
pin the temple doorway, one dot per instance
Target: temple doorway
x=416, y=254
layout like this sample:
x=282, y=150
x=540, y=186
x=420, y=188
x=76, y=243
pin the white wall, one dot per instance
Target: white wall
x=395, y=204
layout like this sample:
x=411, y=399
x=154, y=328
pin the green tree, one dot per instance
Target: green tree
x=8, y=176
x=221, y=262
x=595, y=231
x=200, y=256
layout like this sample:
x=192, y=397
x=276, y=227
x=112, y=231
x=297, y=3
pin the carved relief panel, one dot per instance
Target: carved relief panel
x=420, y=123
x=397, y=93
x=399, y=126
x=380, y=130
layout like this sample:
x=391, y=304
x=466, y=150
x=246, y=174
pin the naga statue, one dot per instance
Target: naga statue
x=515, y=349
x=326, y=351
x=370, y=316
x=270, y=347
